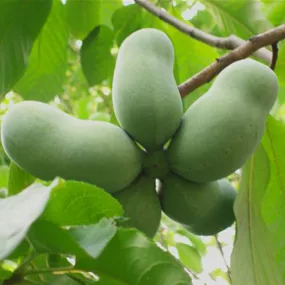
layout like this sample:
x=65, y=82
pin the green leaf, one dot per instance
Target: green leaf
x=243, y=18
x=126, y=20
x=5, y=274
x=47, y=237
x=194, y=239
x=82, y=242
x=275, y=12
x=4, y=174
x=48, y=60
x=17, y=213
x=77, y=203
x=84, y=16
x=191, y=56
x=21, y=250
x=20, y=24
x=96, y=59
x=40, y=263
x=273, y=202
x=252, y=260
x=94, y=238
x=189, y=256
x=131, y=258
x=18, y=179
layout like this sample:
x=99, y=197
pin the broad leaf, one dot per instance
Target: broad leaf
x=20, y=24
x=94, y=238
x=84, y=16
x=243, y=18
x=18, y=179
x=47, y=237
x=126, y=20
x=252, y=261
x=96, y=59
x=48, y=61
x=17, y=213
x=190, y=257
x=275, y=12
x=77, y=203
x=273, y=203
x=131, y=258
x=82, y=242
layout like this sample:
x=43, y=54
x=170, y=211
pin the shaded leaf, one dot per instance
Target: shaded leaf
x=77, y=203
x=137, y=261
x=17, y=35
x=48, y=60
x=84, y=16
x=252, y=261
x=96, y=59
x=126, y=20
x=17, y=213
x=18, y=179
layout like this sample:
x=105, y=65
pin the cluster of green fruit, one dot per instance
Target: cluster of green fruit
x=189, y=154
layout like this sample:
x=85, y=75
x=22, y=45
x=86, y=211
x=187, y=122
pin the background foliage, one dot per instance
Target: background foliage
x=63, y=53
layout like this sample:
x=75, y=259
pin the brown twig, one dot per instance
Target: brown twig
x=248, y=48
x=229, y=43
x=274, y=56
x=219, y=245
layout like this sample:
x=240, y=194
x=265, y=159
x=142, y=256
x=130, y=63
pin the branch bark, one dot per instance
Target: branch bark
x=229, y=43
x=248, y=48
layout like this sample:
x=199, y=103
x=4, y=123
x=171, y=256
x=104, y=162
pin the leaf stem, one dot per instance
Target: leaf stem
x=219, y=246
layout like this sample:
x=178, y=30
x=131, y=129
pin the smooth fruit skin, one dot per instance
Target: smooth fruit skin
x=141, y=205
x=146, y=99
x=221, y=130
x=47, y=143
x=155, y=164
x=202, y=208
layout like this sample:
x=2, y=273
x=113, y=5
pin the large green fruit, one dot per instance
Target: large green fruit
x=221, y=130
x=141, y=205
x=203, y=208
x=48, y=142
x=146, y=99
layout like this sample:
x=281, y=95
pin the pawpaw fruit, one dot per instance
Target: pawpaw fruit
x=155, y=164
x=141, y=205
x=47, y=142
x=222, y=128
x=145, y=96
x=202, y=208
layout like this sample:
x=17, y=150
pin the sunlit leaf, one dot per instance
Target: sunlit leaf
x=17, y=213
x=137, y=261
x=243, y=18
x=273, y=203
x=190, y=257
x=44, y=76
x=252, y=260
x=18, y=179
x=77, y=203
